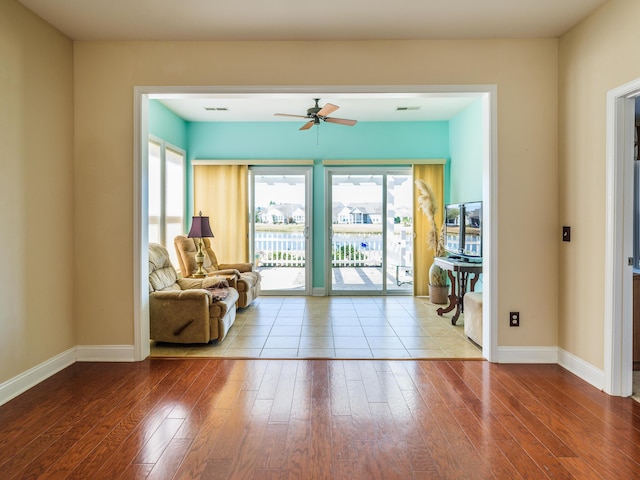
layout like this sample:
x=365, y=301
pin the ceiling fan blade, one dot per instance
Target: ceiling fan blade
x=341, y=121
x=328, y=109
x=307, y=125
x=288, y=115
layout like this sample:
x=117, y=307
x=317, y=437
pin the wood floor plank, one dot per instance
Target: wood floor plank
x=171, y=458
x=283, y=393
x=338, y=389
x=480, y=433
x=334, y=419
x=269, y=382
x=242, y=453
x=321, y=464
x=199, y=411
x=301, y=400
x=273, y=449
x=231, y=433
x=320, y=381
x=297, y=450
x=360, y=411
x=344, y=436
x=136, y=472
x=422, y=408
x=374, y=391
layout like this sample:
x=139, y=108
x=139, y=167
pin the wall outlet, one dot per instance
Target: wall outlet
x=514, y=319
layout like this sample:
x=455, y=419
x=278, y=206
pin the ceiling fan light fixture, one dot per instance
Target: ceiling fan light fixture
x=316, y=114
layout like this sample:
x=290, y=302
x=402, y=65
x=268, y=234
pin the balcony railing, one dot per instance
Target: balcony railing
x=280, y=249
x=287, y=249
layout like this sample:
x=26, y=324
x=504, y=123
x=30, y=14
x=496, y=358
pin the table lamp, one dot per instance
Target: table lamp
x=200, y=229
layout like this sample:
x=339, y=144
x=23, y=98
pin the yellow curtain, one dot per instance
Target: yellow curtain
x=220, y=191
x=433, y=175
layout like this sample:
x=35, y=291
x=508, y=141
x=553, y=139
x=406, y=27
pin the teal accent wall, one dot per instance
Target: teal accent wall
x=465, y=169
x=466, y=146
x=284, y=140
x=166, y=125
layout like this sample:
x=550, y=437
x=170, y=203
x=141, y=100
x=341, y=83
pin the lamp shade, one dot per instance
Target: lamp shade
x=200, y=227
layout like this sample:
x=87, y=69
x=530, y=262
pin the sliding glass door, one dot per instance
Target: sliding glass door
x=280, y=228
x=371, y=232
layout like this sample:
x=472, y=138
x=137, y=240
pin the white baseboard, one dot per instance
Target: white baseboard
x=318, y=292
x=527, y=354
x=105, y=353
x=23, y=382
x=582, y=369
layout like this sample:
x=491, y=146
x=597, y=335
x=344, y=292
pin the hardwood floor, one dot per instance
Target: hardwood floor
x=317, y=419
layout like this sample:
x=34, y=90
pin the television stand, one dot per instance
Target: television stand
x=463, y=271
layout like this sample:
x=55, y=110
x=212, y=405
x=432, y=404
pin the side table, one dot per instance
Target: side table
x=460, y=272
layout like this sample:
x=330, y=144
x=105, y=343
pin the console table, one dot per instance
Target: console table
x=459, y=272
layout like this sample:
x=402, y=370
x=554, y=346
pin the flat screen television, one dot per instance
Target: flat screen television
x=463, y=229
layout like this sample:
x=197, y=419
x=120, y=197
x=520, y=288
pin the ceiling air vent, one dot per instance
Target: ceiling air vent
x=404, y=109
x=216, y=109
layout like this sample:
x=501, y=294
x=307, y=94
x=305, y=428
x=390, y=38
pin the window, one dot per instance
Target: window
x=166, y=194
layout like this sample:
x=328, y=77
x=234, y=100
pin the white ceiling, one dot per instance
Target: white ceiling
x=312, y=20
x=362, y=107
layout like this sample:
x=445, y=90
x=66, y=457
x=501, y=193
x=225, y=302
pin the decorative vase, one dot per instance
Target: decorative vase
x=438, y=294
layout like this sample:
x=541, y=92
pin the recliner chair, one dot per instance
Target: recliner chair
x=247, y=281
x=182, y=310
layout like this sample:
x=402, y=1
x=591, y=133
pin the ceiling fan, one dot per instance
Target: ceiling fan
x=315, y=114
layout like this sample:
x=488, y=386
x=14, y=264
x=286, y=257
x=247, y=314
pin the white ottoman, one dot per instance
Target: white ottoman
x=473, y=316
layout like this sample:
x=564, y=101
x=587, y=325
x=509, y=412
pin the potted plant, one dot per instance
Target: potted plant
x=438, y=289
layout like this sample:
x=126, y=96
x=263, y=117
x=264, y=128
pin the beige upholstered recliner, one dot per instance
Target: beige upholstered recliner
x=247, y=281
x=182, y=310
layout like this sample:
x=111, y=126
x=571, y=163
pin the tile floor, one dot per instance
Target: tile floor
x=336, y=327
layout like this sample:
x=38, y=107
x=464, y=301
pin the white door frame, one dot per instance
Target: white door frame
x=488, y=93
x=618, y=302
x=328, y=221
x=308, y=179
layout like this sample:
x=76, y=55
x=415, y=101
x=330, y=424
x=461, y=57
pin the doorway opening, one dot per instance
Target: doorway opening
x=619, y=249
x=371, y=232
x=488, y=129
x=280, y=228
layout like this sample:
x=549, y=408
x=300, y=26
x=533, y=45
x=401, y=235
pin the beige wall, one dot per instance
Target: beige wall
x=63, y=185
x=600, y=54
x=525, y=72
x=36, y=191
